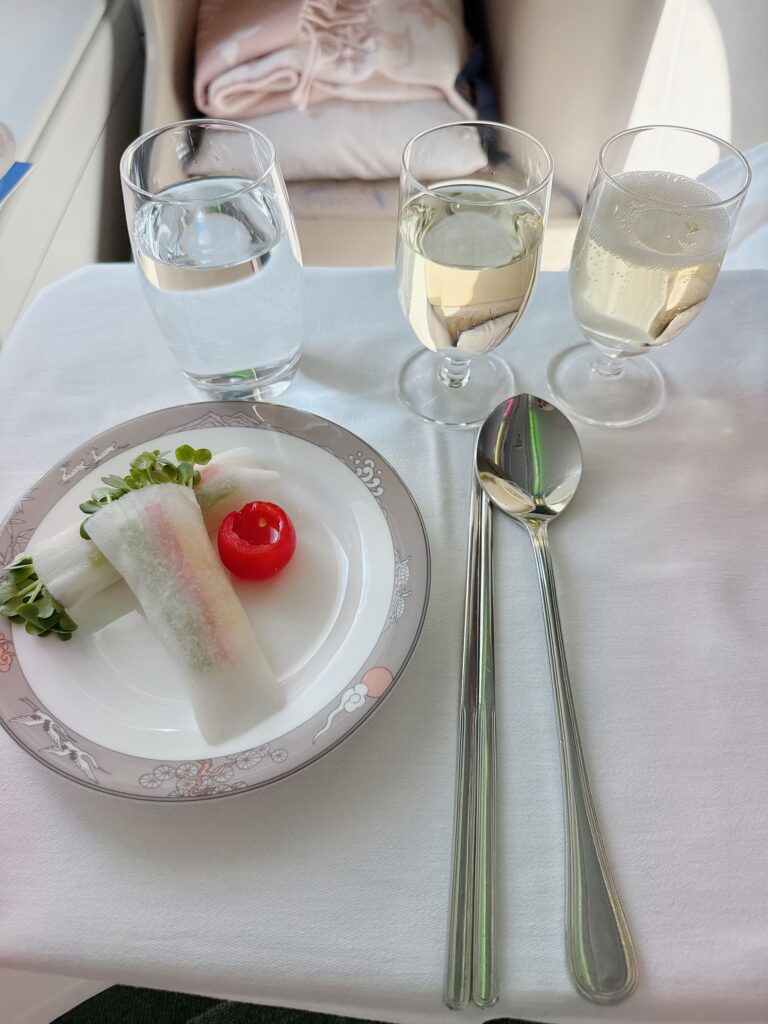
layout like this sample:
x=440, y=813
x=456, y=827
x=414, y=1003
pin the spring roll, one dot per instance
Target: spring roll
x=73, y=569
x=228, y=482
x=156, y=540
x=70, y=567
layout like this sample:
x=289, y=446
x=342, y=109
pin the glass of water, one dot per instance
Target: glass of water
x=657, y=219
x=216, y=248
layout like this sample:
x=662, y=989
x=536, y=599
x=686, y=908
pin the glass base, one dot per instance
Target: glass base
x=262, y=384
x=423, y=390
x=632, y=395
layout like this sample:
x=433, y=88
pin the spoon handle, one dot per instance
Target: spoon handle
x=600, y=952
x=485, y=989
x=458, y=976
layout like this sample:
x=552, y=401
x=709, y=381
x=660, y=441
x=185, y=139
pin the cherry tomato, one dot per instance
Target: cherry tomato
x=256, y=542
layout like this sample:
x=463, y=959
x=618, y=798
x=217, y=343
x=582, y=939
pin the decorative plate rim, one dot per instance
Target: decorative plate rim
x=80, y=759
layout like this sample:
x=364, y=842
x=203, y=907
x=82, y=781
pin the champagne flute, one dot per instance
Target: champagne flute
x=473, y=202
x=658, y=216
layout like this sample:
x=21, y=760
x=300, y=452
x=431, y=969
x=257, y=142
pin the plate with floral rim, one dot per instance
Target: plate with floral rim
x=108, y=709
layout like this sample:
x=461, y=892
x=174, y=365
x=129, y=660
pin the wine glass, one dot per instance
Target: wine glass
x=657, y=219
x=473, y=202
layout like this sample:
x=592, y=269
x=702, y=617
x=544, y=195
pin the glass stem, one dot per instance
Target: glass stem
x=454, y=373
x=608, y=366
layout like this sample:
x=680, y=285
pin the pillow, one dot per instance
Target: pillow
x=362, y=139
x=347, y=200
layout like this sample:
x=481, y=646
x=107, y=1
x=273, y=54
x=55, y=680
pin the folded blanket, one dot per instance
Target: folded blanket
x=259, y=56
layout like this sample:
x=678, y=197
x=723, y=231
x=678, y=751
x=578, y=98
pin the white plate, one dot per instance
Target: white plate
x=109, y=707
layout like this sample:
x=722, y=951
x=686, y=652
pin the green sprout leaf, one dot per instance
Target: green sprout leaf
x=25, y=600
x=117, y=483
x=146, y=469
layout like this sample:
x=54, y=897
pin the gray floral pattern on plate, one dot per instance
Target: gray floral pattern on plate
x=210, y=776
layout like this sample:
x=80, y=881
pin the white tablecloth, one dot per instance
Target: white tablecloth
x=329, y=890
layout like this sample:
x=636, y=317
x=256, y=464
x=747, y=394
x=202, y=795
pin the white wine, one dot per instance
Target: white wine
x=647, y=252
x=222, y=278
x=467, y=257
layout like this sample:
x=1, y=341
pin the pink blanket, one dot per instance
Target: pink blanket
x=258, y=56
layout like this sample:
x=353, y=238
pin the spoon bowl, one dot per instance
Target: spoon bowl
x=528, y=458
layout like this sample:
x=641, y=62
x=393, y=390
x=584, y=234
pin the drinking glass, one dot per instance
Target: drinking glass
x=473, y=202
x=216, y=249
x=657, y=219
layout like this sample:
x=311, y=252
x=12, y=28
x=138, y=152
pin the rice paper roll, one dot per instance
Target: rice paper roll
x=73, y=570
x=70, y=567
x=240, y=456
x=156, y=539
x=230, y=481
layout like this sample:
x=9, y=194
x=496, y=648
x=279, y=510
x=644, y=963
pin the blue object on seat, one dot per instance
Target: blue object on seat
x=12, y=177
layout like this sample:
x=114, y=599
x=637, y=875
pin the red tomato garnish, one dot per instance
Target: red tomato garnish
x=257, y=542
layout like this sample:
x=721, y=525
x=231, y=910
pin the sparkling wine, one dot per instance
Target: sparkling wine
x=647, y=252
x=467, y=258
x=222, y=278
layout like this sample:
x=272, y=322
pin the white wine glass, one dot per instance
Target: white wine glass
x=657, y=219
x=473, y=203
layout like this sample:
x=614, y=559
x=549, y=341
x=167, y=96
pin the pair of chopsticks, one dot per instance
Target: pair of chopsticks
x=471, y=972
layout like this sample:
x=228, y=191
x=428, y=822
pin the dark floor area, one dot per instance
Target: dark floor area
x=124, y=1005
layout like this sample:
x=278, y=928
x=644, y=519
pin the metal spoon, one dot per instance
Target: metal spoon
x=529, y=463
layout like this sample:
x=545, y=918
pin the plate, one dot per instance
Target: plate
x=108, y=709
